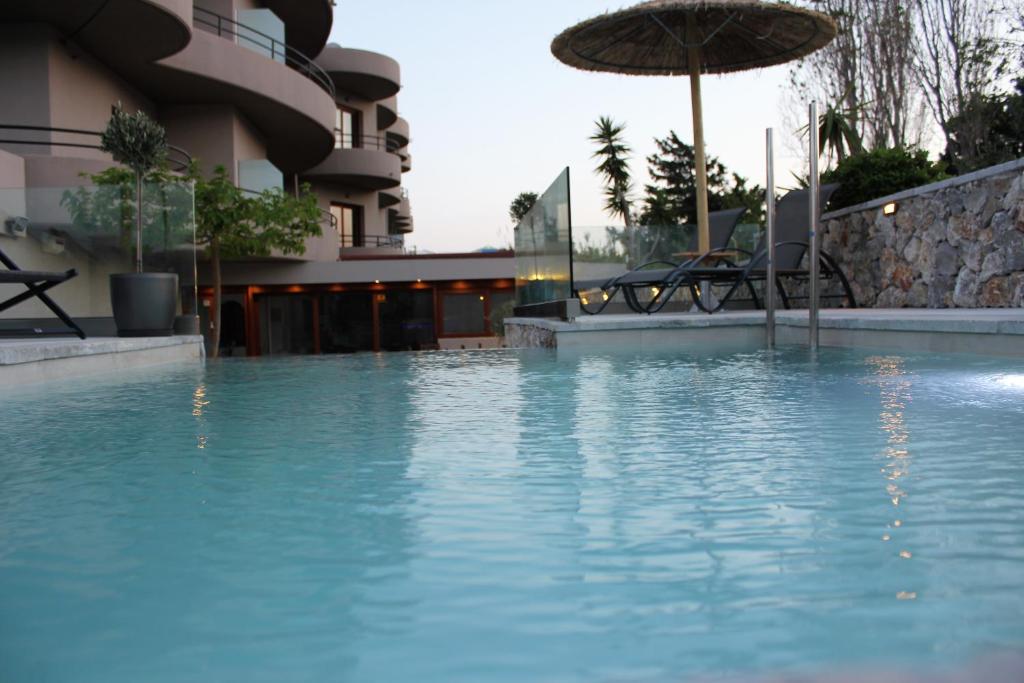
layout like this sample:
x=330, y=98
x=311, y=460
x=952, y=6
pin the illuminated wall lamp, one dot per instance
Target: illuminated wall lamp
x=890, y=209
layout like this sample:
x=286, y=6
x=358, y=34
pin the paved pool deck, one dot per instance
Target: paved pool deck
x=31, y=361
x=997, y=332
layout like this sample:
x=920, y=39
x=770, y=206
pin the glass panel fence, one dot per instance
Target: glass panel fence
x=92, y=230
x=601, y=253
x=543, y=242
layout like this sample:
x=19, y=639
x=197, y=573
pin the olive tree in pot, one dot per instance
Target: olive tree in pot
x=144, y=303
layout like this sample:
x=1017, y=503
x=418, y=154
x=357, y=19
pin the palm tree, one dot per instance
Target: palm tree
x=837, y=132
x=614, y=153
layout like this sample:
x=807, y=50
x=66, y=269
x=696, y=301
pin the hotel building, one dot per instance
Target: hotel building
x=251, y=85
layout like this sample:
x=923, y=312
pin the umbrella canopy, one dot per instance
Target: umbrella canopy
x=690, y=37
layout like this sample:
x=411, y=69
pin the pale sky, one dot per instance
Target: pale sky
x=492, y=113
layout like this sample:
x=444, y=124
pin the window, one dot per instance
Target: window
x=258, y=175
x=464, y=314
x=261, y=31
x=348, y=128
x=350, y=224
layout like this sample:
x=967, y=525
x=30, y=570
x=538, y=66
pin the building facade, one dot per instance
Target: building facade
x=250, y=85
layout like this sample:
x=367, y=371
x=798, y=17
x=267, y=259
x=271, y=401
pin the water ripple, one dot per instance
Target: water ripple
x=514, y=516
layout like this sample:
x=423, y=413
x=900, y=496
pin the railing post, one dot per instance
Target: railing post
x=769, y=202
x=813, y=219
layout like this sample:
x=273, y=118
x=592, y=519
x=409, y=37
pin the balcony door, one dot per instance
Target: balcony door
x=348, y=128
x=350, y=225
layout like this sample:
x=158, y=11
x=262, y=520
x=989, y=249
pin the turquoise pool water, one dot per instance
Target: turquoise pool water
x=514, y=516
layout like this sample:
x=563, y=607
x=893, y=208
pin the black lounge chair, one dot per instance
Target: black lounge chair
x=721, y=225
x=791, y=234
x=37, y=283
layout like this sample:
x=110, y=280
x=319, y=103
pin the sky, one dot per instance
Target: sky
x=492, y=113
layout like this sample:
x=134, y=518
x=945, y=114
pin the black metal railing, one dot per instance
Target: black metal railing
x=241, y=33
x=178, y=160
x=330, y=218
x=394, y=241
x=377, y=142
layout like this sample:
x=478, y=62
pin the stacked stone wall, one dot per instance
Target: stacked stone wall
x=958, y=243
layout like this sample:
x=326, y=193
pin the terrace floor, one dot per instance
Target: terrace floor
x=30, y=361
x=998, y=332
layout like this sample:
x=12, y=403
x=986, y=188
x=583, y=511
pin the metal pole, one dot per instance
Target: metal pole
x=813, y=218
x=769, y=201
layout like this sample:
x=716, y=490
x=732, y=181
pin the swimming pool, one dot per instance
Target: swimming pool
x=514, y=516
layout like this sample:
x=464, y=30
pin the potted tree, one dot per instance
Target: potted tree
x=144, y=303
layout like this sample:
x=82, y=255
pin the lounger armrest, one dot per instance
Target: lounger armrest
x=697, y=261
x=642, y=266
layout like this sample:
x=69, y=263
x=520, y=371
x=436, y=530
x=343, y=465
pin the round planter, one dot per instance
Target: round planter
x=186, y=325
x=144, y=303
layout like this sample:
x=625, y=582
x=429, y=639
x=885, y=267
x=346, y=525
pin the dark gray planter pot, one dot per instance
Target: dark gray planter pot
x=186, y=325
x=144, y=303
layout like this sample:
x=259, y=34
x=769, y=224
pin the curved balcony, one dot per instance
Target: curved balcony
x=368, y=75
x=37, y=140
x=387, y=112
x=399, y=132
x=363, y=163
x=159, y=28
x=401, y=218
x=406, y=162
x=399, y=224
x=307, y=23
x=389, y=197
x=294, y=112
x=261, y=42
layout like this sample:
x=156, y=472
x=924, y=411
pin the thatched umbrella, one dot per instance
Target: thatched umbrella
x=690, y=37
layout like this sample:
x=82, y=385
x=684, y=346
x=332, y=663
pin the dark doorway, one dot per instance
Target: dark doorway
x=232, y=329
x=407, y=321
x=286, y=324
x=346, y=322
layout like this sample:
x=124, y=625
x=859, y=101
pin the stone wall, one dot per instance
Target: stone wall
x=956, y=243
x=520, y=334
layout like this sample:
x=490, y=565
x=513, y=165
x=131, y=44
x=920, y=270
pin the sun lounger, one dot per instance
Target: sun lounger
x=790, y=248
x=721, y=225
x=37, y=283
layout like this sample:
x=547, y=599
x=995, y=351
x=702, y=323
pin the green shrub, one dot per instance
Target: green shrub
x=878, y=173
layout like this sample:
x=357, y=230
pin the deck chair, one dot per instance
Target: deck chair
x=790, y=248
x=37, y=283
x=721, y=225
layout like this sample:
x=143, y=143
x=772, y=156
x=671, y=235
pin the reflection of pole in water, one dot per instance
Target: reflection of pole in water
x=199, y=403
x=894, y=384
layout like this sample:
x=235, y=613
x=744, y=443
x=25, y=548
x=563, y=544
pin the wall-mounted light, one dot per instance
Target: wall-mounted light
x=890, y=209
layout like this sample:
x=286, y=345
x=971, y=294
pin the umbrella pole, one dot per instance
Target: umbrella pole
x=693, y=57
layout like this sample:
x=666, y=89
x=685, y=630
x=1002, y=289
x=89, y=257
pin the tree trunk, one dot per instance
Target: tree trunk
x=214, y=350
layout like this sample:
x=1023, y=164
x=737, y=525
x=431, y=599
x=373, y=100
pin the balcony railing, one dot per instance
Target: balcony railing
x=229, y=28
x=347, y=241
x=377, y=142
x=178, y=160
